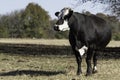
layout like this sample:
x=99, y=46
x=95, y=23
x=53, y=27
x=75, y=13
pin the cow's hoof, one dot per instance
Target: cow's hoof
x=94, y=71
x=79, y=73
x=88, y=74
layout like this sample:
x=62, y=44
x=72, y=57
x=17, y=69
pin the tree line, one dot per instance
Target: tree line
x=31, y=22
x=34, y=22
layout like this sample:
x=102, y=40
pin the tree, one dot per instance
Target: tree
x=114, y=5
x=3, y=27
x=15, y=24
x=35, y=21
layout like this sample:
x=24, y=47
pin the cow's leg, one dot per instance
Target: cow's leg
x=74, y=43
x=95, y=63
x=88, y=61
x=79, y=61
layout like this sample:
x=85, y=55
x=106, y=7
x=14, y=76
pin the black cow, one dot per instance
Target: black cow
x=86, y=33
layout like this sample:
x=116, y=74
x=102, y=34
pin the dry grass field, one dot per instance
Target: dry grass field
x=47, y=42
x=52, y=67
x=36, y=41
x=16, y=67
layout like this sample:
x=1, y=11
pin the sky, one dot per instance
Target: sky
x=51, y=6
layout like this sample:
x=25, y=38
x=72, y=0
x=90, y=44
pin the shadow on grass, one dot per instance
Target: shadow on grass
x=32, y=73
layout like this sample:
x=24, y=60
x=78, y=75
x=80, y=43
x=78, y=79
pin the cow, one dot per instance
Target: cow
x=86, y=34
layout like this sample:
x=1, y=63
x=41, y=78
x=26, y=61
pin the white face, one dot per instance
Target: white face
x=62, y=24
x=63, y=27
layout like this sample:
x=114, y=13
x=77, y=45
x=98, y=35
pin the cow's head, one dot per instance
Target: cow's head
x=63, y=17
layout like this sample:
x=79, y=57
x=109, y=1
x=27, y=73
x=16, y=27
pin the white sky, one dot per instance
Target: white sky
x=49, y=5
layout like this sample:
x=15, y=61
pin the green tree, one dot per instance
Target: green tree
x=35, y=21
x=4, y=32
x=15, y=24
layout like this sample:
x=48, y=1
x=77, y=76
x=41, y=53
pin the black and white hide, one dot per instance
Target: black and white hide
x=86, y=33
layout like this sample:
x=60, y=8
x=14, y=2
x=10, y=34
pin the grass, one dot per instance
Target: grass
x=59, y=42
x=35, y=41
x=51, y=67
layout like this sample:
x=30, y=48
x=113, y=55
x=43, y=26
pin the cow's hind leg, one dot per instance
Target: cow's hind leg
x=95, y=63
x=88, y=61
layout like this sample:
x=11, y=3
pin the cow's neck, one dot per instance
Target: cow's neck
x=72, y=22
x=75, y=26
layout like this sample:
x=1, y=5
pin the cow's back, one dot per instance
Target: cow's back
x=93, y=29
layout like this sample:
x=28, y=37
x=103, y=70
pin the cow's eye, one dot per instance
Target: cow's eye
x=60, y=21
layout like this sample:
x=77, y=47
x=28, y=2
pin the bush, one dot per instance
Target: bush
x=116, y=36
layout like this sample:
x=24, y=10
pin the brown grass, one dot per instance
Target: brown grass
x=36, y=41
x=16, y=67
x=49, y=67
x=47, y=41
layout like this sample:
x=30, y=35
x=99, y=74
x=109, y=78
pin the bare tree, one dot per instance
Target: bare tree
x=114, y=5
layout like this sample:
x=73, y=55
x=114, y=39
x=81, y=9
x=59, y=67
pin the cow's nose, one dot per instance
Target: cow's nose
x=56, y=28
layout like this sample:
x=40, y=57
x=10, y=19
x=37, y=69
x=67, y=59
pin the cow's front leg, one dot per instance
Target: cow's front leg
x=80, y=52
x=79, y=61
x=88, y=61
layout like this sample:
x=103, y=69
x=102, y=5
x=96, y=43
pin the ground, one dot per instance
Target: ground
x=59, y=42
x=51, y=67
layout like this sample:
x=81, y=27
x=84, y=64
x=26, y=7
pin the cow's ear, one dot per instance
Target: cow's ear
x=57, y=13
x=70, y=13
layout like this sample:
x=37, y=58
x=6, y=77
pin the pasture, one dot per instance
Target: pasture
x=52, y=67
